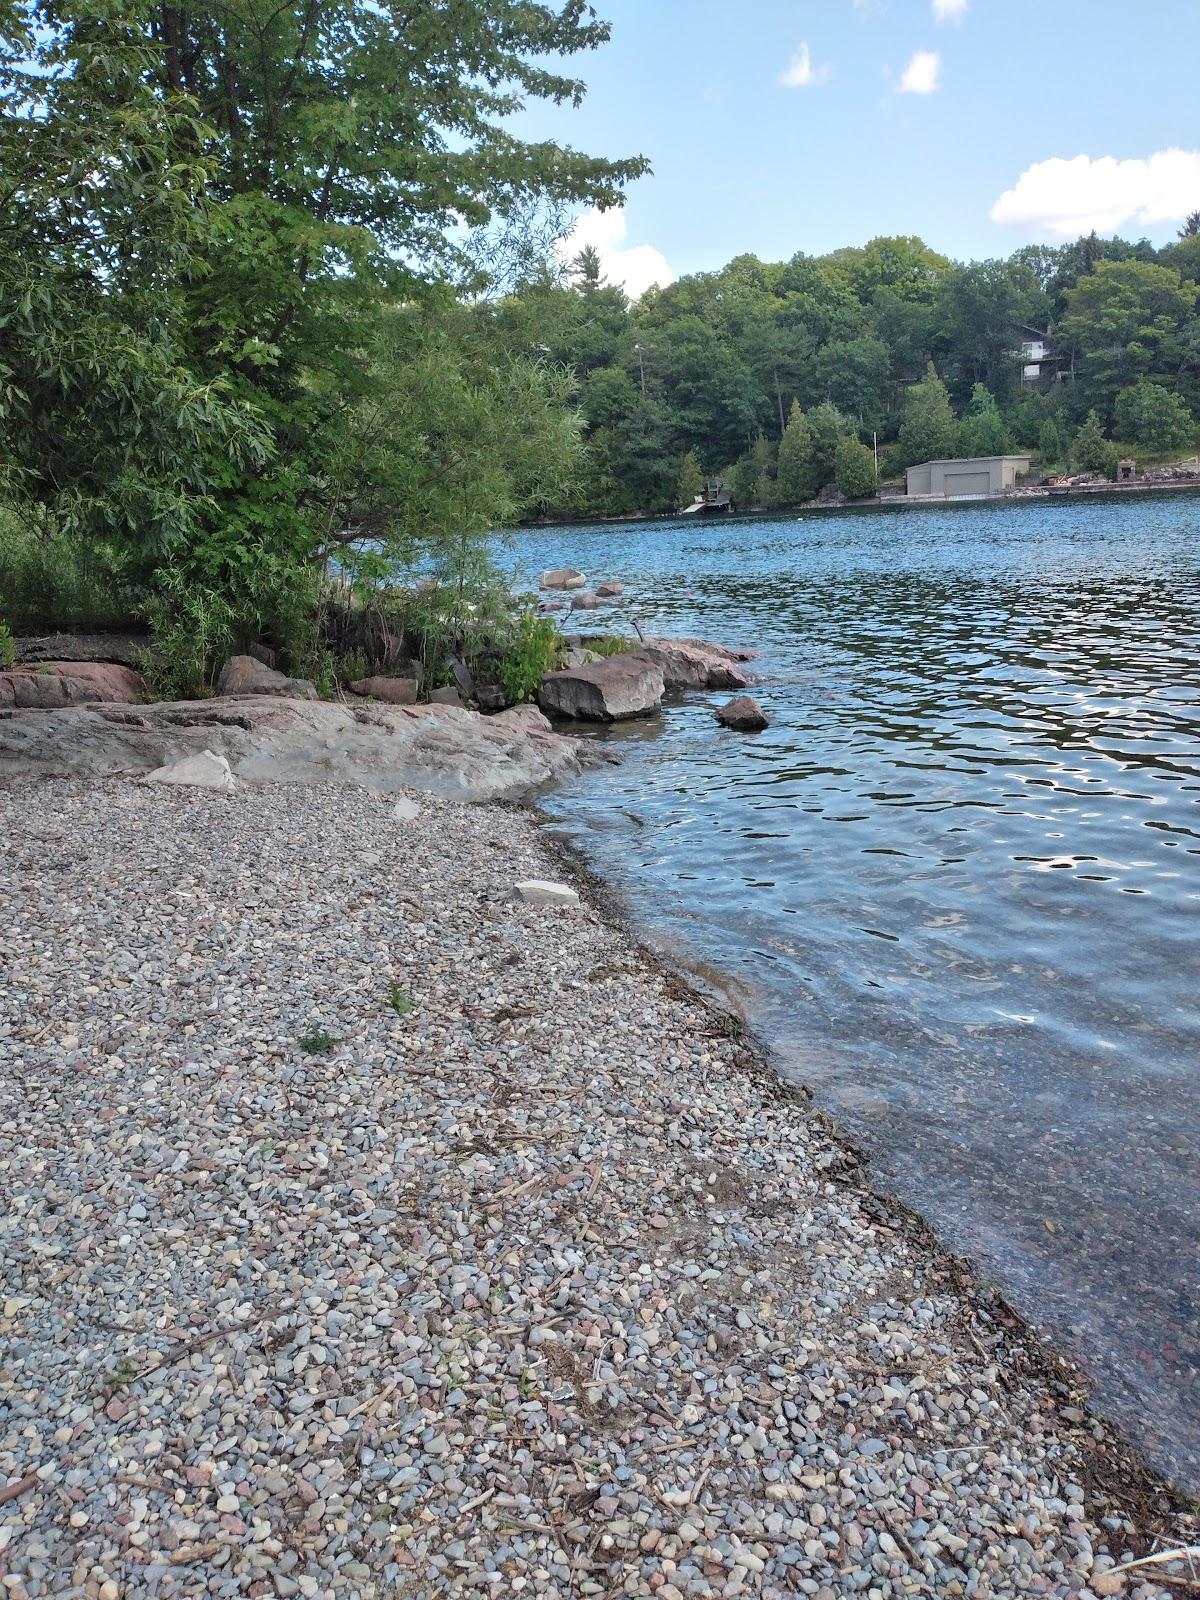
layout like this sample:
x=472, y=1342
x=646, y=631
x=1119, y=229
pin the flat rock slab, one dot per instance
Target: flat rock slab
x=125, y=649
x=542, y=892
x=457, y=754
x=50, y=684
x=608, y=690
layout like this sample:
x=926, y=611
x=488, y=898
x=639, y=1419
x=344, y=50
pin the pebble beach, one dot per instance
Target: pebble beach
x=370, y=1232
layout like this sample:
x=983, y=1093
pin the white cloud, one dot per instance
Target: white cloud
x=635, y=267
x=950, y=10
x=802, y=74
x=922, y=74
x=1067, y=198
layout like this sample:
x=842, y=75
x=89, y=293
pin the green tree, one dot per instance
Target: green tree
x=982, y=432
x=1090, y=449
x=1124, y=322
x=752, y=481
x=826, y=427
x=690, y=481
x=1049, y=442
x=1152, y=416
x=929, y=431
x=796, y=475
x=855, y=472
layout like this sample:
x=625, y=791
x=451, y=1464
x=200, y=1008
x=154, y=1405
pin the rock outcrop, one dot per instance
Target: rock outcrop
x=608, y=690
x=743, y=715
x=51, y=684
x=267, y=739
x=123, y=648
x=242, y=675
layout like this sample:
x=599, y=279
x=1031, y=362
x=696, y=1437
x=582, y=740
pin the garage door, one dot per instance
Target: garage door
x=967, y=483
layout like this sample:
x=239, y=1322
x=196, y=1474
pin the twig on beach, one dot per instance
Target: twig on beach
x=1183, y=1552
x=22, y=1486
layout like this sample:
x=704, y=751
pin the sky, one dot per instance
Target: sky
x=777, y=126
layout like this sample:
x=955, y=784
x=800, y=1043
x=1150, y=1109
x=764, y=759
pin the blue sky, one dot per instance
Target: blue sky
x=745, y=161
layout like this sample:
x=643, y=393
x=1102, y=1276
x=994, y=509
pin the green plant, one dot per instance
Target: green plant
x=610, y=644
x=8, y=653
x=532, y=650
x=1090, y=449
x=318, y=1043
x=400, y=1002
x=856, y=475
x=52, y=582
x=193, y=631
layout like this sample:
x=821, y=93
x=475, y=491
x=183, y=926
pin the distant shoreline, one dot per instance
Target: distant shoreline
x=1116, y=491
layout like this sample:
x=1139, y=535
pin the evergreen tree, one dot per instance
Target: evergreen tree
x=690, y=482
x=856, y=475
x=1090, y=450
x=796, y=476
x=928, y=431
x=1049, y=442
x=827, y=427
x=982, y=431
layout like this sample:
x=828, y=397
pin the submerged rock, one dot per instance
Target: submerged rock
x=247, y=675
x=743, y=715
x=603, y=691
x=697, y=664
x=69, y=683
x=587, y=602
x=610, y=589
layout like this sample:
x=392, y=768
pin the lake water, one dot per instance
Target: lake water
x=958, y=878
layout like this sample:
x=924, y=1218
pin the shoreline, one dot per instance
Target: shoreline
x=483, y=1209
x=1117, y=1461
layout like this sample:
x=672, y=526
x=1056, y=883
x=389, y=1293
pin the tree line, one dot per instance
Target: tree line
x=773, y=376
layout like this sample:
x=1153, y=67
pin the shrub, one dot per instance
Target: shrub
x=51, y=583
x=855, y=465
x=194, y=632
x=1090, y=449
x=7, y=653
x=531, y=652
x=1049, y=443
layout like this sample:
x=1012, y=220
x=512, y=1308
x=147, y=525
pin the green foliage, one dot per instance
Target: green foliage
x=856, y=475
x=318, y=1043
x=1090, y=449
x=53, y=580
x=929, y=431
x=8, y=653
x=194, y=631
x=610, y=644
x=1150, y=415
x=1049, y=442
x=982, y=432
x=400, y=1002
x=690, y=481
x=1125, y=321
x=826, y=428
x=796, y=477
x=533, y=649
x=752, y=481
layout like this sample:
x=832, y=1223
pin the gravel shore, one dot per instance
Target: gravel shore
x=369, y=1233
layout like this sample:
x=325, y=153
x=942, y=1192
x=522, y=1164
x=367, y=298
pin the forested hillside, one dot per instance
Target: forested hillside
x=709, y=375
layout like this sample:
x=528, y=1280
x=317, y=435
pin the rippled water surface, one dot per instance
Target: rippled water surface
x=960, y=875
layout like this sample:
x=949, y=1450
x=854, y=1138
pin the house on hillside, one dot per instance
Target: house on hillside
x=1040, y=361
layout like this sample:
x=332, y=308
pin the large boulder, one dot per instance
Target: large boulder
x=267, y=739
x=603, y=691
x=244, y=675
x=201, y=771
x=51, y=684
x=393, y=691
x=563, y=578
x=697, y=664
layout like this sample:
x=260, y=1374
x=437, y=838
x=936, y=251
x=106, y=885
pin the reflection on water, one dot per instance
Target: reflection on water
x=961, y=873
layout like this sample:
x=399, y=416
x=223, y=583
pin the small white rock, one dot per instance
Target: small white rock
x=406, y=810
